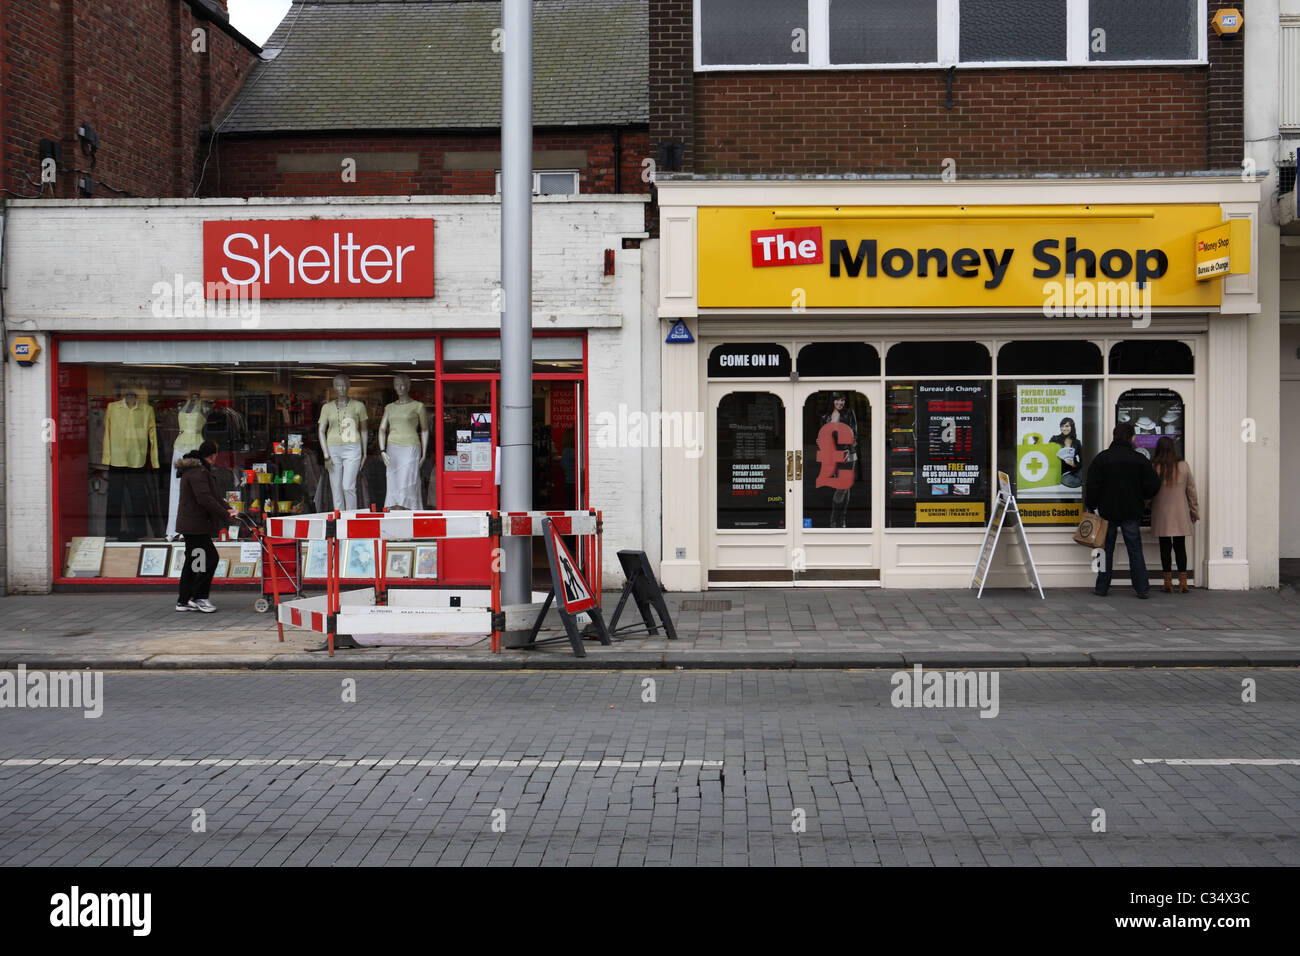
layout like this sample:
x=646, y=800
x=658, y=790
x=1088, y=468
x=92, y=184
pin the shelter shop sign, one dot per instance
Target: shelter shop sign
x=320, y=258
x=952, y=257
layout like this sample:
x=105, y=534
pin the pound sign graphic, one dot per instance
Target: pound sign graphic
x=833, y=444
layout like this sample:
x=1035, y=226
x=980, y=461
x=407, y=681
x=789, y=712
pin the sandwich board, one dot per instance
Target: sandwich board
x=571, y=595
x=644, y=589
x=1003, y=506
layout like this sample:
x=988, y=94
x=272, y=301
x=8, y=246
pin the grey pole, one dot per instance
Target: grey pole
x=516, y=428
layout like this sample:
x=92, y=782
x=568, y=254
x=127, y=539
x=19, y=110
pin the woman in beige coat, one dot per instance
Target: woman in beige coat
x=1173, y=510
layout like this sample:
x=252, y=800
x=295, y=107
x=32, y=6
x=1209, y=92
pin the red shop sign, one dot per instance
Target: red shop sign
x=320, y=258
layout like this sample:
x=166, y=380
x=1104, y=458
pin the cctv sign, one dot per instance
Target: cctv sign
x=320, y=258
x=786, y=247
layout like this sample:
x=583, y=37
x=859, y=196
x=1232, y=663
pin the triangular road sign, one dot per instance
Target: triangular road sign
x=573, y=594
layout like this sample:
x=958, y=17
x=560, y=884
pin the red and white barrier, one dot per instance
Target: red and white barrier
x=378, y=610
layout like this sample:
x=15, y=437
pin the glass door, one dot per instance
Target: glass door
x=467, y=474
x=793, y=484
x=834, y=485
x=1157, y=410
x=751, y=492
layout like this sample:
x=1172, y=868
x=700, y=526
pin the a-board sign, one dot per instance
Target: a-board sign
x=642, y=586
x=1004, y=507
x=571, y=595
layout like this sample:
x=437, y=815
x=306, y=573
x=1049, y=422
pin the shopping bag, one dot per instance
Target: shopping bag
x=1091, y=532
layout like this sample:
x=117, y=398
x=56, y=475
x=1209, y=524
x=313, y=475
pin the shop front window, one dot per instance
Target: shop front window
x=937, y=469
x=751, y=462
x=276, y=409
x=1048, y=432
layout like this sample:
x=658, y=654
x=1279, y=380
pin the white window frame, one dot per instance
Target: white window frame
x=1077, y=40
x=537, y=181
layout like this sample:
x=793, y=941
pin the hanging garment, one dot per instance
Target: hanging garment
x=130, y=435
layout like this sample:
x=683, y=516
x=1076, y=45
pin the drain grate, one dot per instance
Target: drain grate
x=706, y=605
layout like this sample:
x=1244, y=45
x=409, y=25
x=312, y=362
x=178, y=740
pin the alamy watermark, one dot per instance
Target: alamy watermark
x=922, y=688
x=78, y=690
x=637, y=429
x=214, y=300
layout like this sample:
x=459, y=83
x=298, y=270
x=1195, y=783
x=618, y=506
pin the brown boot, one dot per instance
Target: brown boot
x=1182, y=582
x=1169, y=583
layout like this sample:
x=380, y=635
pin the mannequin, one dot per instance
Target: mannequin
x=343, y=434
x=404, y=444
x=189, y=418
x=130, y=442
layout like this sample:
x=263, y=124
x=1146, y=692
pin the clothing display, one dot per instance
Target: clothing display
x=130, y=442
x=403, y=477
x=343, y=425
x=130, y=435
x=190, y=438
x=343, y=476
x=403, y=423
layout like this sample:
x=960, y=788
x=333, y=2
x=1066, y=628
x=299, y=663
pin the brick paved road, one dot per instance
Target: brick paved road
x=410, y=773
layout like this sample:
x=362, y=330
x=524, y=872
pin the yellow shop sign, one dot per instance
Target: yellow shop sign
x=1035, y=257
x=1223, y=250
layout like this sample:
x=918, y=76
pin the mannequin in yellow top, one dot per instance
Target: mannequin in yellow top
x=190, y=417
x=344, y=432
x=130, y=443
x=403, y=444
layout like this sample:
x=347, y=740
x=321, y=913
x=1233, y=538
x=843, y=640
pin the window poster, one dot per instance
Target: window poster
x=1153, y=413
x=751, y=461
x=1049, y=444
x=836, y=460
x=938, y=471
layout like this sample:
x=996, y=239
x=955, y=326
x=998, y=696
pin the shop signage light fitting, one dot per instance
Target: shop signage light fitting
x=321, y=258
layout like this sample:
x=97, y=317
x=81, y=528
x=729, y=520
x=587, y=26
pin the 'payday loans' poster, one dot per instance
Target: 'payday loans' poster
x=1049, y=446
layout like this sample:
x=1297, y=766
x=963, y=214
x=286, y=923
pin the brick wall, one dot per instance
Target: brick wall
x=1027, y=120
x=127, y=67
x=247, y=166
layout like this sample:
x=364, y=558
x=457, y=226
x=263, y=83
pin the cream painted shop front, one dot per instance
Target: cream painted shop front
x=863, y=358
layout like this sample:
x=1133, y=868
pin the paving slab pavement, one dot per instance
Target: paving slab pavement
x=830, y=628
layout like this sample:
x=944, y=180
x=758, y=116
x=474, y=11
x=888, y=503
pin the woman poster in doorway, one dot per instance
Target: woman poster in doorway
x=837, y=455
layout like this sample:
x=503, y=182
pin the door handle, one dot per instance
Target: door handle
x=789, y=466
x=798, y=465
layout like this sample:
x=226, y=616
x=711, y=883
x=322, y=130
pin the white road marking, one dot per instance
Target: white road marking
x=458, y=763
x=1222, y=761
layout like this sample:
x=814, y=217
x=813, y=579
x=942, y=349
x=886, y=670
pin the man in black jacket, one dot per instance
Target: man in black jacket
x=1120, y=481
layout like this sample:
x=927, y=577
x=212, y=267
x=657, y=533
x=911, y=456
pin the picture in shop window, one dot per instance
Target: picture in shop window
x=1049, y=442
x=938, y=469
x=836, y=465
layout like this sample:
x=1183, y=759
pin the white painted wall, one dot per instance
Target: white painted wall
x=92, y=266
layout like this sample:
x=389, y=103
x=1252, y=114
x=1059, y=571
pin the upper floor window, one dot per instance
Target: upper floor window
x=847, y=34
x=550, y=182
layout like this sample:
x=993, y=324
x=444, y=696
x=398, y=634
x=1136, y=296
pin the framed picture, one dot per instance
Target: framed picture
x=315, y=565
x=426, y=561
x=177, y=563
x=360, y=561
x=243, y=570
x=223, y=568
x=398, y=563
x=153, y=561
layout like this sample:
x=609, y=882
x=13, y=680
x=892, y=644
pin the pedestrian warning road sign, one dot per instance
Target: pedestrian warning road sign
x=571, y=595
x=572, y=591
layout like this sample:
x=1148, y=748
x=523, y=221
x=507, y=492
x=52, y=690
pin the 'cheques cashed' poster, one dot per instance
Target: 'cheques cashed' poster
x=1049, y=445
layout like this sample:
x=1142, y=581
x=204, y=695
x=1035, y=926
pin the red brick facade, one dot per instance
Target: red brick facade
x=251, y=166
x=1026, y=120
x=130, y=70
